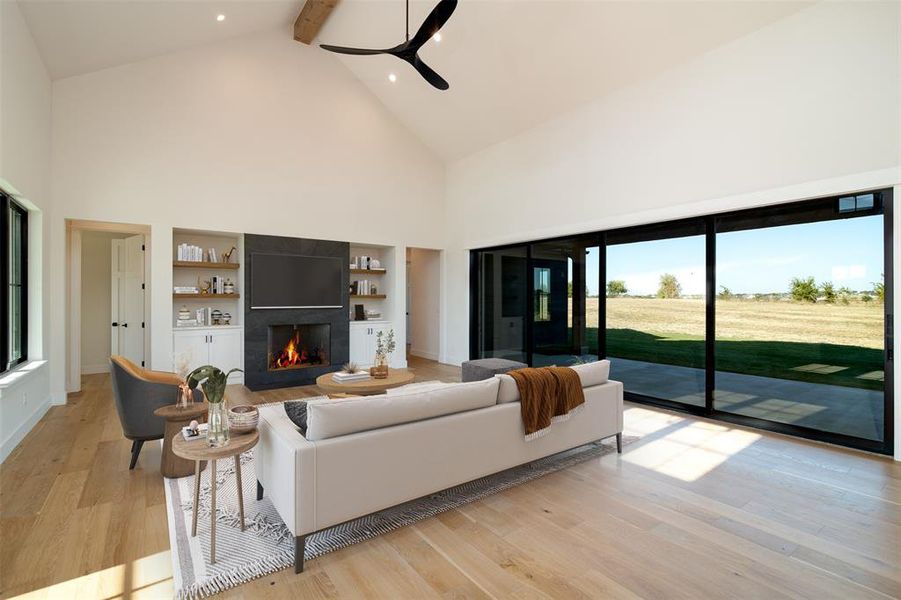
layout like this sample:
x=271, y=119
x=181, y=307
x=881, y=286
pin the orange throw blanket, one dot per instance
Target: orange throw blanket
x=547, y=395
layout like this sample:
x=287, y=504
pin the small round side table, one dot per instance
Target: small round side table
x=198, y=451
x=176, y=418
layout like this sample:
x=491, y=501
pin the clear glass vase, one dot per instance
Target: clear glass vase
x=217, y=419
x=185, y=396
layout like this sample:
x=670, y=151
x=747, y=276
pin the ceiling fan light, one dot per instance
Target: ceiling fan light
x=220, y=17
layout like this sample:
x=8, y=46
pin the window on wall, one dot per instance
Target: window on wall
x=542, y=294
x=14, y=259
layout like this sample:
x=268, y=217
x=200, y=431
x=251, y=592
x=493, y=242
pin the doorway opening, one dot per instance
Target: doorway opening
x=108, y=308
x=423, y=312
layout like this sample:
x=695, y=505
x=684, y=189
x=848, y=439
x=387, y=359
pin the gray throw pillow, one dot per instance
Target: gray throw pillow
x=297, y=412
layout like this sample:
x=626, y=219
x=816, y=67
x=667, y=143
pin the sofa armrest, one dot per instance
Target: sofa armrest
x=285, y=465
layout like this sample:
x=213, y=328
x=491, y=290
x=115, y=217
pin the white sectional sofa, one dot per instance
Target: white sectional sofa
x=362, y=455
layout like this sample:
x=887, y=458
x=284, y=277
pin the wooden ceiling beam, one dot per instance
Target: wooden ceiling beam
x=311, y=19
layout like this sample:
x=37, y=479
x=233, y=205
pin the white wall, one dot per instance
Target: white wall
x=805, y=107
x=258, y=134
x=25, y=104
x=425, y=294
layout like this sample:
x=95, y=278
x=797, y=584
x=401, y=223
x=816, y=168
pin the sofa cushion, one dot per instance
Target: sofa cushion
x=332, y=418
x=421, y=386
x=297, y=412
x=593, y=373
x=590, y=374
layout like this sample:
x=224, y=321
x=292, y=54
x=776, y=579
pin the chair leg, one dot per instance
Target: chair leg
x=300, y=543
x=135, y=450
x=259, y=490
x=619, y=443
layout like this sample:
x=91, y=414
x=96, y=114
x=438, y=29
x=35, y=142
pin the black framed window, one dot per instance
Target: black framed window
x=777, y=317
x=14, y=280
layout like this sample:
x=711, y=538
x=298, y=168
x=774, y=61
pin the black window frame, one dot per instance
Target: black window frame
x=7, y=206
x=794, y=212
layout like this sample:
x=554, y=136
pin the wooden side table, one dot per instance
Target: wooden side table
x=177, y=417
x=198, y=451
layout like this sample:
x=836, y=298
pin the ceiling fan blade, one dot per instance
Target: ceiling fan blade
x=428, y=74
x=355, y=51
x=435, y=21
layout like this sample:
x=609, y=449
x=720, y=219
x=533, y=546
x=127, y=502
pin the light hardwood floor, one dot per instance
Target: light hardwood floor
x=695, y=509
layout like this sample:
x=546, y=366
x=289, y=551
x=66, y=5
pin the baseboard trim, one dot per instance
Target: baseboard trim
x=94, y=369
x=424, y=354
x=10, y=443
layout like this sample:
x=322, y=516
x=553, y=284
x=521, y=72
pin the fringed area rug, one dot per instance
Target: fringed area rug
x=266, y=545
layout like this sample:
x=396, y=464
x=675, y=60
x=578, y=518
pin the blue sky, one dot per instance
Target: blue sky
x=846, y=252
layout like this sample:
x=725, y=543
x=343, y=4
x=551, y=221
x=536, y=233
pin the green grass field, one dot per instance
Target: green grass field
x=831, y=344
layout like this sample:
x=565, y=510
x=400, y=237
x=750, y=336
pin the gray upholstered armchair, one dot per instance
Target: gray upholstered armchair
x=138, y=392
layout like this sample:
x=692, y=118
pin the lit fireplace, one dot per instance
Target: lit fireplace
x=298, y=346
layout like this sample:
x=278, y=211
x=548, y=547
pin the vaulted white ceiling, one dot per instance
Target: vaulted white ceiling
x=511, y=64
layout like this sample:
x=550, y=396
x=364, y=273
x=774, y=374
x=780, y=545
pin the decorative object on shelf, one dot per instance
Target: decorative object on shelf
x=213, y=382
x=242, y=419
x=373, y=290
x=204, y=285
x=227, y=257
x=226, y=319
x=216, y=317
x=374, y=263
x=359, y=313
x=354, y=262
x=350, y=367
x=184, y=314
x=384, y=348
x=229, y=286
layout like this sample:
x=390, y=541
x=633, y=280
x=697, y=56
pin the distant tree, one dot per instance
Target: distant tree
x=804, y=290
x=569, y=289
x=725, y=293
x=669, y=286
x=827, y=290
x=879, y=288
x=844, y=295
x=866, y=298
x=616, y=287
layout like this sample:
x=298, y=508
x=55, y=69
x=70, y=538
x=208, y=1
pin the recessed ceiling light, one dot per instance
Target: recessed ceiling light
x=392, y=77
x=220, y=18
x=437, y=36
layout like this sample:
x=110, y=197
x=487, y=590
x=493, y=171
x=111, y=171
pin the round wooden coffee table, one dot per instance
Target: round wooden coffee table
x=366, y=387
x=176, y=418
x=199, y=451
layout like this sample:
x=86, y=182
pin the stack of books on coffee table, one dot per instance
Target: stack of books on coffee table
x=342, y=377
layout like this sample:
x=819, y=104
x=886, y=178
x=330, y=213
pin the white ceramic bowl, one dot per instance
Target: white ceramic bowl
x=242, y=419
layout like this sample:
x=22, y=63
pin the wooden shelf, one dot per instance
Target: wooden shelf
x=370, y=296
x=207, y=296
x=368, y=271
x=196, y=264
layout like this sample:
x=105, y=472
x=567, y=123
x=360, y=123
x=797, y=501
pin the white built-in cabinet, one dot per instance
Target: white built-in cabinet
x=220, y=346
x=362, y=340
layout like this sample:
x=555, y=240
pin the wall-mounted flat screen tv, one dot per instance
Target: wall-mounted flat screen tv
x=291, y=281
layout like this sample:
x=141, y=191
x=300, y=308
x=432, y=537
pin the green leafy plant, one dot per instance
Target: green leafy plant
x=725, y=293
x=669, y=286
x=879, y=289
x=212, y=380
x=384, y=344
x=828, y=291
x=804, y=289
x=616, y=287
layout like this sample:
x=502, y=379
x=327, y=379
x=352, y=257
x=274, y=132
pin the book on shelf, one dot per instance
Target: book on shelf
x=187, y=323
x=185, y=289
x=189, y=253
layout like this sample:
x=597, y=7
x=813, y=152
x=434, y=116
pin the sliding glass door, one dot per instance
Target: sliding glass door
x=655, y=307
x=776, y=317
x=800, y=318
x=565, y=287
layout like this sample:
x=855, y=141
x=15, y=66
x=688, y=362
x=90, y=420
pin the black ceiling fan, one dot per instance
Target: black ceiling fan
x=408, y=50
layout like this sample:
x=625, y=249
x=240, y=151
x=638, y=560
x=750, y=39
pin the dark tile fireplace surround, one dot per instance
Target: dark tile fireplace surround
x=288, y=347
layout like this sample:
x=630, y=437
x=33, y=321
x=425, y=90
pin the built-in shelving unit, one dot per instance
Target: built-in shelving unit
x=196, y=264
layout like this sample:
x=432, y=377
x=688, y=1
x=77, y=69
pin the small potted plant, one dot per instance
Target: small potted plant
x=384, y=348
x=213, y=382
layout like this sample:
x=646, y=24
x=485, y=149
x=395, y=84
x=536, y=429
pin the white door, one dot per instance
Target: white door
x=128, y=298
x=190, y=350
x=225, y=352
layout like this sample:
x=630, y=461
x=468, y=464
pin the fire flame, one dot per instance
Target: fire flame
x=289, y=356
